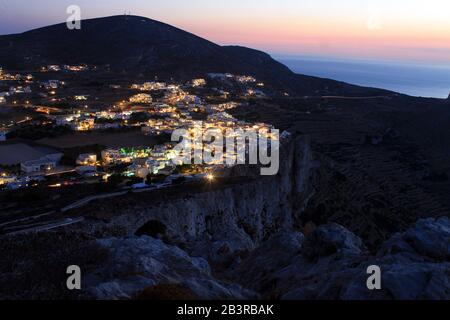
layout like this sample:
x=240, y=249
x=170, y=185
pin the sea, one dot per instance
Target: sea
x=415, y=79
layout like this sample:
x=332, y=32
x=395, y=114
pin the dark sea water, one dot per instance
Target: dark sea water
x=413, y=79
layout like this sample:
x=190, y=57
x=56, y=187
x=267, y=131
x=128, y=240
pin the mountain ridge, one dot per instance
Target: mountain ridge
x=138, y=45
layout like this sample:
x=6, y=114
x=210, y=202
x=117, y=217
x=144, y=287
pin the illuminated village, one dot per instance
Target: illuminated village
x=143, y=111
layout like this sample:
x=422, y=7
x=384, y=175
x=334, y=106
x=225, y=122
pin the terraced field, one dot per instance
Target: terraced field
x=377, y=174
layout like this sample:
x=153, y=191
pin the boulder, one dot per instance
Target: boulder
x=332, y=263
x=137, y=263
x=256, y=270
x=430, y=238
x=330, y=239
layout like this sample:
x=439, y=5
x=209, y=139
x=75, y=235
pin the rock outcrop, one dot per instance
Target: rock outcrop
x=330, y=239
x=138, y=263
x=330, y=263
x=242, y=241
x=239, y=216
x=414, y=265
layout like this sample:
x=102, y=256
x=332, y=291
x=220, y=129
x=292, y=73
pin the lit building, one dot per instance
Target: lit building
x=255, y=93
x=84, y=125
x=87, y=159
x=76, y=68
x=149, y=86
x=7, y=76
x=7, y=179
x=54, y=68
x=113, y=156
x=38, y=165
x=80, y=98
x=43, y=164
x=191, y=99
x=245, y=79
x=198, y=82
x=51, y=84
x=19, y=89
x=155, y=166
x=66, y=119
x=141, y=98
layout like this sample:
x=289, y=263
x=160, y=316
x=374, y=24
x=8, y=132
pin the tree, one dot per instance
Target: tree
x=139, y=117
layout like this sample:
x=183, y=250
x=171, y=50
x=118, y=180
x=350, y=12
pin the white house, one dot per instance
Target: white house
x=113, y=156
x=6, y=179
x=141, y=98
x=191, y=99
x=198, y=82
x=2, y=99
x=19, y=89
x=45, y=163
x=54, y=68
x=40, y=165
x=51, y=84
x=154, y=166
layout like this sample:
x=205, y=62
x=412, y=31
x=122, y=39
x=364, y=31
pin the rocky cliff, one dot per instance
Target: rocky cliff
x=234, y=241
x=243, y=242
x=330, y=263
x=243, y=213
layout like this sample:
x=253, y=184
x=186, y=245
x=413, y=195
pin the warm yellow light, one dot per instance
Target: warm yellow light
x=58, y=185
x=210, y=177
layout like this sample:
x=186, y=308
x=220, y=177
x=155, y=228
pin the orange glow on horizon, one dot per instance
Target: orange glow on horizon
x=402, y=29
x=393, y=36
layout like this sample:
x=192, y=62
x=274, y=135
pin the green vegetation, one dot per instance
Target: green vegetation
x=63, y=105
x=13, y=169
x=36, y=132
x=34, y=265
x=139, y=117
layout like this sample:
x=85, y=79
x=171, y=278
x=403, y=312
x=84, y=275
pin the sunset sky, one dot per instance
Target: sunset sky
x=409, y=30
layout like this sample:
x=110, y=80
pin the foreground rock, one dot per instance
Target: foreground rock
x=138, y=264
x=332, y=264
